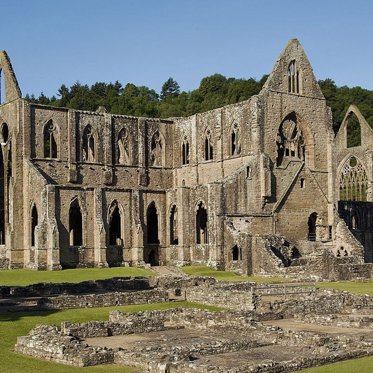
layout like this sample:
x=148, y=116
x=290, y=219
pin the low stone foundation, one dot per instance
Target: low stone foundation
x=200, y=341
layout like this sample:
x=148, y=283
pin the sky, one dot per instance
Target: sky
x=145, y=42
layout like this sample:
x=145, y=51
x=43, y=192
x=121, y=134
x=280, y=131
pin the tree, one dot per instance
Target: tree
x=170, y=88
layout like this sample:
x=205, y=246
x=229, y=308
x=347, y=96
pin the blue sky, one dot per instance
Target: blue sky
x=146, y=41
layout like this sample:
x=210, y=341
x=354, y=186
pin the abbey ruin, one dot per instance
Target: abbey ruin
x=260, y=186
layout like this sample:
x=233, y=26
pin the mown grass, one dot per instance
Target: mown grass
x=17, y=324
x=354, y=287
x=21, y=277
x=363, y=365
x=226, y=275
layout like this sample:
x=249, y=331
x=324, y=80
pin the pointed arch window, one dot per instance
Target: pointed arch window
x=185, y=151
x=50, y=144
x=209, y=150
x=75, y=224
x=124, y=148
x=174, y=239
x=353, y=181
x=201, y=224
x=290, y=141
x=293, y=78
x=152, y=224
x=157, y=150
x=2, y=87
x=235, y=140
x=353, y=130
x=34, y=223
x=115, y=225
x=89, y=145
x=4, y=133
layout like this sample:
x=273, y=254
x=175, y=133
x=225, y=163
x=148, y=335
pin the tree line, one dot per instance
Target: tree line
x=214, y=91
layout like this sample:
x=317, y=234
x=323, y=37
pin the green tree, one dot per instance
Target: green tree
x=170, y=88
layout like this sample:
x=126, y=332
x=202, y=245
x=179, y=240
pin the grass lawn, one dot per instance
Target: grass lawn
x=227, y=276
x=26, y=277
x=355, y=287
x=16, y=324
x=363, y=365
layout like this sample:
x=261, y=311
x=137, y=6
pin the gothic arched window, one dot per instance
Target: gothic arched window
x=353, y=181
x=124, y=148
x=209, y=150
x=50, y=144
x=290, y=141
x=201, y=224
x=89, y=149
x=235, y=140
x=293, y=78
x=185, y=151
x=157, y=150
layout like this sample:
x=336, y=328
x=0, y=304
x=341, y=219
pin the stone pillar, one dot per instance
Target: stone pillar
x=108, y=150
x=52, y=240
x=216, y=224
x=137, y=218
x=73, y=136
x=184, y=222
x=99, y=231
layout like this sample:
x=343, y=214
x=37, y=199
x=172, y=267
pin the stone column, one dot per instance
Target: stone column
x=73, y=136
x=52, y=241
x=99, y=232
x=137, y=225
x=184, y=221
x=216, y=224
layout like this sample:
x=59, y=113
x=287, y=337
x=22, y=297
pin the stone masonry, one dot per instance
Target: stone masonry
x=253, y=187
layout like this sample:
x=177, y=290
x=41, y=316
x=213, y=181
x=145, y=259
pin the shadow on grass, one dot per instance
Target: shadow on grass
x=15, y=316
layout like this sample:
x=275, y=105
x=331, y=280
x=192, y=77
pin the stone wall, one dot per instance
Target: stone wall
x=115, y=284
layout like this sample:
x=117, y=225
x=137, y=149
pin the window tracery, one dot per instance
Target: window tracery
x=353, y=181
x=290, y=141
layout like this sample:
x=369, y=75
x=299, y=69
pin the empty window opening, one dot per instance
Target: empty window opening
x=89, y=150
x=4, y=133
x=75, y=224
x=2, y=87
x=201, y=225
x=209, y=151
x=248, y=172
x=50, y=144
x=152, y=224
x=124, y=148
x=157, y=147
x=115, y=226
x=353, y=181
x=173, y=226
x=302, y=183
x=354, y=221
x=330, y=232
x=235, y=140
x=290, y=141
x=353, y=130
x=9, y=166
x=293, y=78
x=185, y=151
x=34, y=223
x=236, y=253
x=312, y=226
x=2, y=198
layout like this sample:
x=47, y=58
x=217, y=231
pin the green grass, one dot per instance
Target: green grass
x=363, y=365
x=16, y=324
x=354, y=287
x=226, y=275
x=22, y=277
